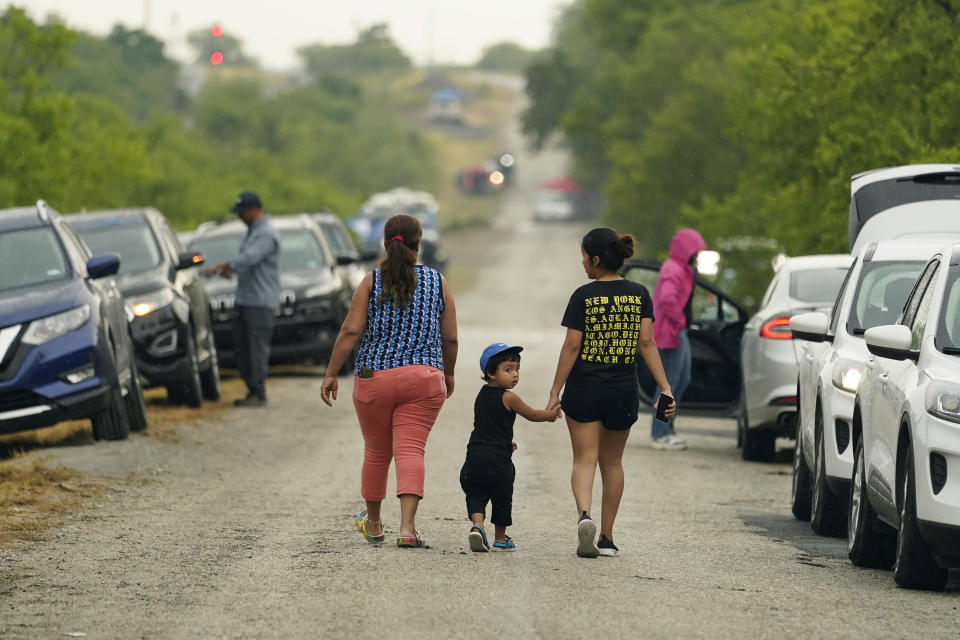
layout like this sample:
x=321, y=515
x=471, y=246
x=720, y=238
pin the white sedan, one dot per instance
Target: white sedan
x=832, y=356
x=769, y=357
x=905, y=492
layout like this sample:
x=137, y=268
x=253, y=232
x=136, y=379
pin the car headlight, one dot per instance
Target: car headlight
x=320, y=290
x=943, y=400
x=46, y=329
x=847, y=375
x=143, y=304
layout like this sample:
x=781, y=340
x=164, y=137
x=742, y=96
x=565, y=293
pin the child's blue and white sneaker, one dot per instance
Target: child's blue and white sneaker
x=506, y=545
x=477, y=538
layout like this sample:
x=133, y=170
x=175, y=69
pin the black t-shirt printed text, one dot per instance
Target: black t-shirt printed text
x=609, y=314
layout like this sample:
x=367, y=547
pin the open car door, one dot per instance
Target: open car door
x=715, y=335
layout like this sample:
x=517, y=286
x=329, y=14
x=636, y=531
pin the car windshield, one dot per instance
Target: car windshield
x=339, y=240
x=133, y=241
x=30, y=257
x=218, y=248
x=300, y=250
x=881, y=293
x=817, y=285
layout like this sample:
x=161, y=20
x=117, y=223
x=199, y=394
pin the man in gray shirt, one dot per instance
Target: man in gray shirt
x=257, y=298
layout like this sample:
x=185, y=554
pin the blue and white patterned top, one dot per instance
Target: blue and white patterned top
x=397, y=337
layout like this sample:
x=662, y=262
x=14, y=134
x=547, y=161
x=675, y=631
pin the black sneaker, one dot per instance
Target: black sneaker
x=250, y=401
x=606, y=547
x=586, y=537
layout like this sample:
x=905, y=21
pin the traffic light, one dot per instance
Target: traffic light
x=217, y=56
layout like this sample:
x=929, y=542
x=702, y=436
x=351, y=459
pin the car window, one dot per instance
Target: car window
x=337, y=238
x=919, y=322
x=770, y=289
x=835, y=311
x=816, y=286
x=913, y=304
x=882, y=289
x=300, y=249
x=218, y=248
x=76, y=250
x=133, y=241
x=948, y=329
x=645, y=276
x=30, y=257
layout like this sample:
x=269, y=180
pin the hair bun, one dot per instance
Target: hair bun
x=624, y=245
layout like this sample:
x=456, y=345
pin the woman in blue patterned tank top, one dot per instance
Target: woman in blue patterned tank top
x=404, y=318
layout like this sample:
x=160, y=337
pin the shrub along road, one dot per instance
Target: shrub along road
x=244, y=526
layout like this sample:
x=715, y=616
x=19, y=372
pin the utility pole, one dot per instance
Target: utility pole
x=146, y=15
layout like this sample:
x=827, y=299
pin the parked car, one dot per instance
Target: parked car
x=716, y=386
x=769, y=358
x=314, y=298
x=335, y=233
x=65, y=348
x=171, y=324
x=905, y=492
x=831, y=366
x=446, y=106
x=927, y=195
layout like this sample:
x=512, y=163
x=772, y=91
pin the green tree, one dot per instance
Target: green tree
x=505, y=56
x=373, y=51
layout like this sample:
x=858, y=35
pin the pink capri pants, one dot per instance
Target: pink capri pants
x=396, y=409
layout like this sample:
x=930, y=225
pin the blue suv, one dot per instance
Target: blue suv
x=65, y=347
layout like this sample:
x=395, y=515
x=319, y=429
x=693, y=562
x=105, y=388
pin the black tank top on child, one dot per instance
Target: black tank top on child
x=492, y=422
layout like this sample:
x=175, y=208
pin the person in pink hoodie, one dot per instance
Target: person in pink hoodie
x=671, y=299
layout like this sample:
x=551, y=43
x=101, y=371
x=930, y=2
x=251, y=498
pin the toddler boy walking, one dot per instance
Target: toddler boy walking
x=487, y=474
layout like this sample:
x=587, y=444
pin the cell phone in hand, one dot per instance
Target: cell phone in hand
x=662, y=405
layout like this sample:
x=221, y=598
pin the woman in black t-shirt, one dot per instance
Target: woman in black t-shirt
x=608, y=323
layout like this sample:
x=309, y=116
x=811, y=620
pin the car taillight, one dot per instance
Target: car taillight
x=778, y=328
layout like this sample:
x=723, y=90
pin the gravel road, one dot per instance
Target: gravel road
x=244, y=527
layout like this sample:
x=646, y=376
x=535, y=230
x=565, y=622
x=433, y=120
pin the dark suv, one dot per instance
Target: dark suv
x=65, y=349
x=171, y=325
x=315, y=291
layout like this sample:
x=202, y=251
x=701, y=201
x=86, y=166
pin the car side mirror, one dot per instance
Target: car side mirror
x=189, y=259
x=344, y=260
x=891, y=341
x=102, y=266
x=812, y=326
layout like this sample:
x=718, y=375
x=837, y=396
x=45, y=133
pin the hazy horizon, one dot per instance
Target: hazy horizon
x=452, y=32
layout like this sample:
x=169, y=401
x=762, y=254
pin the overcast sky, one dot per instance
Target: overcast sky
x=444, y=30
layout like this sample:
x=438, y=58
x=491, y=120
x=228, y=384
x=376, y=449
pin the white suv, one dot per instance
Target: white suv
x=905, y=495
x=831, y=364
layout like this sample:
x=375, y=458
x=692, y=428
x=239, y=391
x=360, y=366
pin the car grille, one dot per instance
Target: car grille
x=19, y=399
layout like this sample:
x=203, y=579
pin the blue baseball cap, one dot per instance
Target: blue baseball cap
x=494, y=349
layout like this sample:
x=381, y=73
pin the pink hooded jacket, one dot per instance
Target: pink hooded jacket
x=674, y=286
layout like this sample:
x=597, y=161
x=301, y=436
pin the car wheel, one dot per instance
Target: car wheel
x=826, y=516
x=758, y=444
x=914, y=566
x=110, y=423
x=188, y=390
x=210, y=379
x=868, y=542
x=800, y=487
x=136, y=405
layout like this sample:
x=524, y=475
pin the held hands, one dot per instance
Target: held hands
x=554, y=414
x=513, y=446
x=328, y=391
x=554, y=402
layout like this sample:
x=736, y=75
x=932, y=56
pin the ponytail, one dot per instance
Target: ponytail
x=401, y=237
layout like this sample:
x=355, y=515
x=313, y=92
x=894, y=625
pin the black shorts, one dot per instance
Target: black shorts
x=615, y=408
x=488, y=477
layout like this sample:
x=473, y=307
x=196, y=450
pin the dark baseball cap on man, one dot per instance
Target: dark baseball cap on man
x=246, y=200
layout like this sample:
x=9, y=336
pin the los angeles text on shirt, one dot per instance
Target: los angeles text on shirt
x=611, y=329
